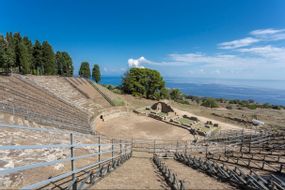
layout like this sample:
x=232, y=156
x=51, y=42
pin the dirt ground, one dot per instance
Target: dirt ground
x=137, y=173
x=204, y=114
x=193, y=178
x=142, y=127
x=272, y=118
x=223, y=125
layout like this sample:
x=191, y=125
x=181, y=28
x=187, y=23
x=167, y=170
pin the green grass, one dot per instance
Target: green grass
x=161, y=114
x=118, y=102
x=216, y=130
x=204, y=129
x=185, y=121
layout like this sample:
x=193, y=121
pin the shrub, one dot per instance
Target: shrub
x=210, y=102
x=276, y=107
x=118, y=102
x=175, y=94
x=117, y=91
x=182, y=101
x=229, y=107
x=143, y=82
x=252, y=106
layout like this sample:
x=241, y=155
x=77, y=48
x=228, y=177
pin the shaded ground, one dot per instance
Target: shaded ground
x=137, y=173
x=193, y=178
x=142, y=127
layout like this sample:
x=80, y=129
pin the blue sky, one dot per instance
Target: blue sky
x=191, y=38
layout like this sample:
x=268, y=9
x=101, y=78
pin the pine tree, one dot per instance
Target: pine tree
x=29, y=55
x=10, y=51
x=59, y=60
x=68, y=67
x=96, y=74
x=17, y=40
x=7, y=58
x=24, y=58
x=84, y=70
x=37, y=64
x=18, y=54
x=64, y=64
x=48, y=59
x=2, y=52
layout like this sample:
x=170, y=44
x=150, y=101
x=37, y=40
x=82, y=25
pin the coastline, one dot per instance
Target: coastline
x=222, y=88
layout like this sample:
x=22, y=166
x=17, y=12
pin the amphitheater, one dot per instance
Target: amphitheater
x=69, y=133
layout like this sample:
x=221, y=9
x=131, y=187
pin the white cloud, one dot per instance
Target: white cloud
x=219, y=59
x=138, y=63
x=238, y=43
x=267, y=31
x=269, y=34
x=252, y=63
x=261, y=35
x=251, y=57
x=274, y=53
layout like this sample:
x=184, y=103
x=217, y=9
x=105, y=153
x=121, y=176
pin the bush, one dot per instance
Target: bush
x=182, y=102
x=210, y=102
x=252, y=106
x=118, y=102
x=117, y=91
x=276, y=107
x=175, y=94
x=221, y=100
x=109, y=86
x=144, y=82
x=229, y=107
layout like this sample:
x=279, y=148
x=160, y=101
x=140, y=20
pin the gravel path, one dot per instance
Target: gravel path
x=136, y=173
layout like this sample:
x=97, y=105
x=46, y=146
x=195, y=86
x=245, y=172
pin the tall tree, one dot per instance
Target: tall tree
x=144, y=82
x=22, y=53
x=84, y=70
x=27, y=68
x=64, y=64
x=24, y=58
x=37, y=64
x=17, y=41
x=48, y=59
x=2, y=52
x=18, y=54
x=60, y=62
x=10, y=51
x=96, y=74
x=68, y=68
x=6, y=57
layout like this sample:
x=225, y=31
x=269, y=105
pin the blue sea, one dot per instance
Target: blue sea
x=262, y=91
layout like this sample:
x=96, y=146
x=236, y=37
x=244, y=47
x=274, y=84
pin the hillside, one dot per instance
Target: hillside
x=56, y=131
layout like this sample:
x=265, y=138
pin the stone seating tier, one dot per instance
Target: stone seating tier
x=21, y=98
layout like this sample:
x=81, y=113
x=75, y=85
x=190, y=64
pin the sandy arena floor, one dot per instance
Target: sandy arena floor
x=134, y=126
